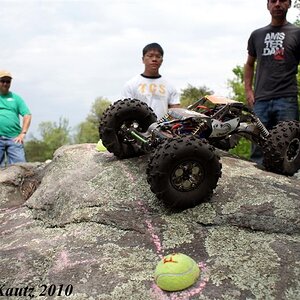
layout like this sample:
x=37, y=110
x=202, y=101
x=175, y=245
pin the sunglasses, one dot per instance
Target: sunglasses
x=5, y=81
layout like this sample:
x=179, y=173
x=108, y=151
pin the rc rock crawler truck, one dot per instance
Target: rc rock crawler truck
x=183, y=167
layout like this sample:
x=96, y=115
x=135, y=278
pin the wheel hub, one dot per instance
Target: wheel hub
x=123, y=132
x=187, y=176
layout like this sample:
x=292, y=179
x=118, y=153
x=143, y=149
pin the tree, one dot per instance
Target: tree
x=297, y=5
x=237, y=85
x=87, y=131
x=98, y=108
x=190, y=94
x=35, y=150
x=53, y=136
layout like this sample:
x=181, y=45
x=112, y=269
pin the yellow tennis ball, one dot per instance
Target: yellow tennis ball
x=176, y=272
x=100, y=147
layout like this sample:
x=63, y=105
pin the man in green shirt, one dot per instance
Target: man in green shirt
x=11, y=133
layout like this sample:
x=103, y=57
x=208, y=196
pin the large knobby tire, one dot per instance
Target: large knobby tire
x=282, y=148
x=183, y=172
x=124, y=112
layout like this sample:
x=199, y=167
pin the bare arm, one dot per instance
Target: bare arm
x=248, y=78
x=25, y=127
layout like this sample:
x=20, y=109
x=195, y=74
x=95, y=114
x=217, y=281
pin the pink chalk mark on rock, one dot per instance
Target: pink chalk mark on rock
x=11, y=230
x=153, y=236
x=128, y=173
x=155, y=239
x=63, y=262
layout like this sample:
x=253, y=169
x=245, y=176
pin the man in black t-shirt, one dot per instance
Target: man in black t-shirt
x=275, y=49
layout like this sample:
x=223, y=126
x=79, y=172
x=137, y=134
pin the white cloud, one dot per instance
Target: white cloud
x=64, y=54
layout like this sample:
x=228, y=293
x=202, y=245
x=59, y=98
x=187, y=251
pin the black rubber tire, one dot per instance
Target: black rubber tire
x=122, y=112
x=282, y=148
x=183, y=172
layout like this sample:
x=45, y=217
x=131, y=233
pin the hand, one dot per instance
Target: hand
x=250, y=98
x=20, y=138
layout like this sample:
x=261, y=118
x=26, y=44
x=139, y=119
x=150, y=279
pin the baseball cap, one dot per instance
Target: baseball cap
x=4, y=73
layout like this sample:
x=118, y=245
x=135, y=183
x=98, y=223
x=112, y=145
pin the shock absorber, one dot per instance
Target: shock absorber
x=165, y=118
x=264, y=131
x=199, y=128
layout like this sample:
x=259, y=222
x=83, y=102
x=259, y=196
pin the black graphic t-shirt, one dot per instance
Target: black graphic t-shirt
x=277, y=50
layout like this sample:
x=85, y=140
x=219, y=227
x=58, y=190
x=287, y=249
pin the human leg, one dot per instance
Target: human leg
x=286, y=109
x=15, y=152
x=2, y=152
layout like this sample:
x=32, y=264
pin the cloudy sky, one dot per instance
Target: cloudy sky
x=63, y=54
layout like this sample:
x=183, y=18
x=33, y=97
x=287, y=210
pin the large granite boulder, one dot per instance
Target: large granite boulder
x=87, y=226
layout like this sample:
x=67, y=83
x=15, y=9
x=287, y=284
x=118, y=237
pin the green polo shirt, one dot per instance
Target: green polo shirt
x=11, y=107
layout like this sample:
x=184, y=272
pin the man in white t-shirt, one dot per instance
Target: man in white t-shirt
x=150, y=86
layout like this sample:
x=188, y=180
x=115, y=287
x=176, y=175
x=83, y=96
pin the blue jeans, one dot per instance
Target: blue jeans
x=271, y=112
x=14, y=152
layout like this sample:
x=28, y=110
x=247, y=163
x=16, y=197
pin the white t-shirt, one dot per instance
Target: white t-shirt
x=158, y=93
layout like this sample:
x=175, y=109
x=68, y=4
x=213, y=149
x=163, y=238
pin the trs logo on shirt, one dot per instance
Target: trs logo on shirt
x=274, y=45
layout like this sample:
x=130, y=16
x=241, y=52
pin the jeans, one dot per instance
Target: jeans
x=14, y=151
x=271, y=112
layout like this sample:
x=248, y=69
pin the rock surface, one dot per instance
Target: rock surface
x=86, y=226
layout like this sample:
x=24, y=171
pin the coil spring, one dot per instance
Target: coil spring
x=165, y=118
x=199, y=128
x=262, y=128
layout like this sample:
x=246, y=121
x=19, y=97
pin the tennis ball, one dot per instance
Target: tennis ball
x=176, y=272
x=100, y=147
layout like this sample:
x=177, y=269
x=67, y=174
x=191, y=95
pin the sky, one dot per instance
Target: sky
x=63, y=54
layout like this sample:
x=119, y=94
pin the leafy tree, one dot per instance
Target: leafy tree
x=53, y=136
x=34, y=150
x=297, y=5
x=87, y=131
x=237, y=84
x=98, y=107
x=190, y=94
